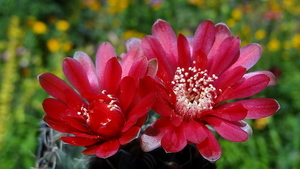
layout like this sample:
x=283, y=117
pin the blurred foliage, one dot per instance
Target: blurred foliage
x=36, y=35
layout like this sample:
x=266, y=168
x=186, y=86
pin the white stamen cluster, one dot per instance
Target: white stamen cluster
x=194, y=91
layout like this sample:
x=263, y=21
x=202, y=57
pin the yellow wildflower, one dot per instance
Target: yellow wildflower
x=116, y=6
x=39, y=27
x=274, y=45
x=261, y=123
x=260, y=34
x=296, y=41
x=53, y=45
x=237, y=14
x=231, y=22
x=62, y=25
x=132, y=33
x=67, y=46
x=92, y=4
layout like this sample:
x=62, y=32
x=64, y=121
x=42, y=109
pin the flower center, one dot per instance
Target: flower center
x=102, y=114
x=194, y=91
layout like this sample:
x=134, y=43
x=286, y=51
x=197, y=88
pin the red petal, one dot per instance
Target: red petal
x=153, y=49
x=229, y=78
x=229, y=130
x=142, y=107
x=79, y=141
x=76, y=75
x=91, y=150
x=260, y=107
x=195, y=132
x=174, y=140
x=226, y=55
x=151, y=138
x=90, y=70
x=112, y=76
x=54, y=108
x=164, y=33
x=105, y=52
x=210, y=149
x=184, y=52
x=139, y=68
x=267, y=73
x=74, y=102
x=230, y=111
x=204, y=38
x=58, y=125
x=127, y=91
x=108, y=149
x=77, y=124
x=249, y=87
x=129, y=58
x=152, y=68
x=54, y=86
x=129, y=135
x=249, y=55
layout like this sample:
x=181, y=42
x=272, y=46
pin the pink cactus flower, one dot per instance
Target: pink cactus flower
x=103, y=110
x=196, y=78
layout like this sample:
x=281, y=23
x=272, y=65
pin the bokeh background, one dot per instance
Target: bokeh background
x=36, y=35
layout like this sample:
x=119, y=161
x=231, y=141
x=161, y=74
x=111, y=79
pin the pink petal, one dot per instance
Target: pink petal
x=249, y=55
x=138, y=68
x=153, y=49
x=104, y=53
x=151, y=138
x=226, y=55
x=195, y=132
x=90, y=70
x=204, y=38
x=249, y=87
x=229, y=78
x=229, y=130
x=129, y=58
x=184, y=52
x=54, y=108
x=209, y=148
x=112, y=75
x=260, y=107
x=58, y=125
x=133, y=43
x=127, y=90
x=164, y=33
x=142, y=107
x=54, y=86
x=152, y=68
x=230, y=111
x=79, y=141
x=267, y=73
x=76, y=75
x=129, y=135
x=174, y=140
x=108, y=149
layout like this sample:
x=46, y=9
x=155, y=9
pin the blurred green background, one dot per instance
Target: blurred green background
x=36, y=35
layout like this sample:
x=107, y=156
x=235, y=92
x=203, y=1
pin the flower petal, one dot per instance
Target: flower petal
x=90, y=70
x=104, y=53
x=151, y=138
x=152, y=68
x=195, y=132
x=54, y=85
x=164, y=33
x=184, y=52
x=129, y=58
x=112, y=75
x=58, y=125
x=138, y=68
x=108, y=149
x=79, y=141
x=76, y=75
x=127, y=91
x=249, y=55
x=54, y=108
x=260, y=107
x=133, y=43
x=230, y=111
x=129, y=135
x=227, y=129
x=209, y=148
x=267, y=73
x=174, y=140
x=229, y=78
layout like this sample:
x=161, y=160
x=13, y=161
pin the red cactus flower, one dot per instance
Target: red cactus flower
x=104, y=110
x=196, y=76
